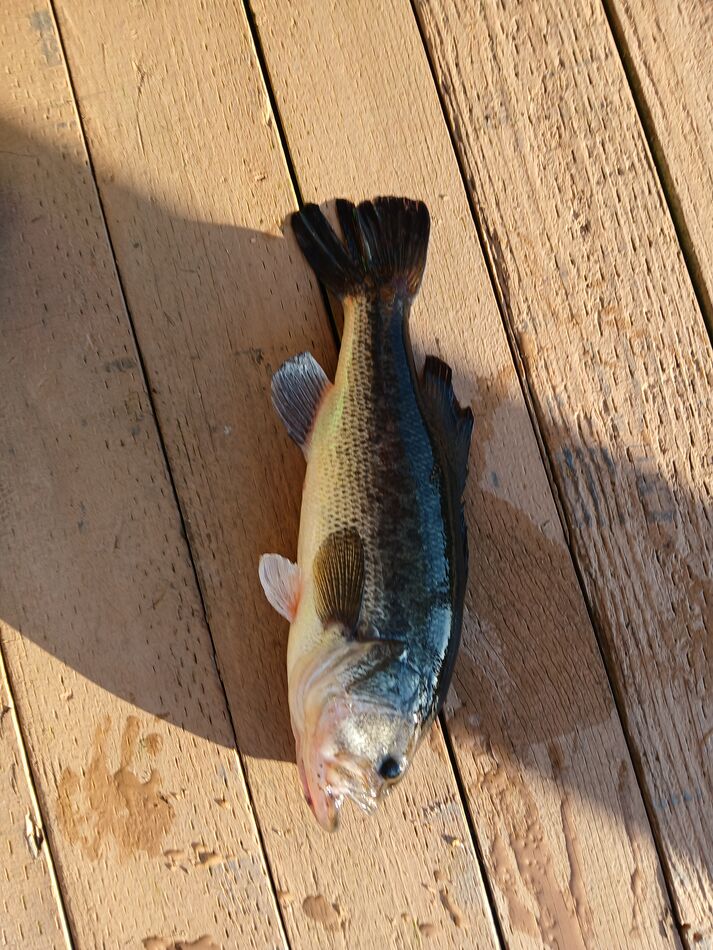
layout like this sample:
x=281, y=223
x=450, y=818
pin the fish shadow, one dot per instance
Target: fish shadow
x=530, y=688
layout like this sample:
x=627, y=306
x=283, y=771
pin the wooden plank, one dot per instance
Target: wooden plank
x=614, y=351
x=30, y=911
x=109, y=657
x=551, y=790
x=668, y=51
x=195, y=187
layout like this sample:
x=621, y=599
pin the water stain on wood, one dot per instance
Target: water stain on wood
x=454, y=911
x=318, y=908
x=99, y=806
x=206, y=857
x=153, y=743
x=120, y=365
x=506, y=876
x=529, y=844
x=176, y=858
x=42, y=22
x=577, y=886
x=167, y=943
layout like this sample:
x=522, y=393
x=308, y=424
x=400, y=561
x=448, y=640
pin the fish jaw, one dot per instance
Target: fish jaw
x=311, y=673
x=324, y=804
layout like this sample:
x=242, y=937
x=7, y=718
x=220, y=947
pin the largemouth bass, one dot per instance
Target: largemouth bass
x=375, y=601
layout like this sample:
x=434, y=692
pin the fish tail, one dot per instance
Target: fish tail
x=383, y=249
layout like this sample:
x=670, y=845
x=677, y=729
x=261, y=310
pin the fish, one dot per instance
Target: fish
x=375, y=598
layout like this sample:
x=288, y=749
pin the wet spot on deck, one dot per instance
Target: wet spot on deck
x=98, y=806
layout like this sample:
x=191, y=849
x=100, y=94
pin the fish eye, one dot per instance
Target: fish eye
x=390, y=768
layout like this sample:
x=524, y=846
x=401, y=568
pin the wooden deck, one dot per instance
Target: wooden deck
x=150, y=153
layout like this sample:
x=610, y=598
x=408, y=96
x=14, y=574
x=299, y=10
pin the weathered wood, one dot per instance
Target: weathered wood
x=109, y=657
x=550, y=787
x=614, y=351
x=195, y=188
x=30, y=912
x=668, y=50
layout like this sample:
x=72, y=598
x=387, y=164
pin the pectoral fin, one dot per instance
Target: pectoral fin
x=280, y=580
x=298, y=388
x=338, y=572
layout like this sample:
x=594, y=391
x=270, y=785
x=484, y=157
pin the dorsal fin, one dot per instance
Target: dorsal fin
x=298, y=388
x=453, y=422
x=338, y=571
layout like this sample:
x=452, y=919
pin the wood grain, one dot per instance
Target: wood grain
x=550, y=787
x=30, y=912
x=195, y=188
x=615, y=354
x=108, y=654
x=668, y=49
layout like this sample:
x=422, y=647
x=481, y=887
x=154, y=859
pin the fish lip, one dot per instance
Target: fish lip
x=328, y=818
x=324, y=802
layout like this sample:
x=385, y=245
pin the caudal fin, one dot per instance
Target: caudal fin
x=384, y=246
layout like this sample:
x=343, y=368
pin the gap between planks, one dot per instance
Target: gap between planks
x=660, y=163
x=36, y=49
x=685, y=323
x=169, y=473
x=35, y=815
x=289, y=164
x=320, y=179
x=334, y=326
x=608, y=660
x=273, y=815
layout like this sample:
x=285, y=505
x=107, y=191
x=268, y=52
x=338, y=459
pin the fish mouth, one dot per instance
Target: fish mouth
x=329, y=777
x=330, y=769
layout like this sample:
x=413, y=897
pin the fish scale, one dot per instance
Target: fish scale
x=372, y=465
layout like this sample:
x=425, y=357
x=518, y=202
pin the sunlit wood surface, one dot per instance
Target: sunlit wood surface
x=150, y=155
